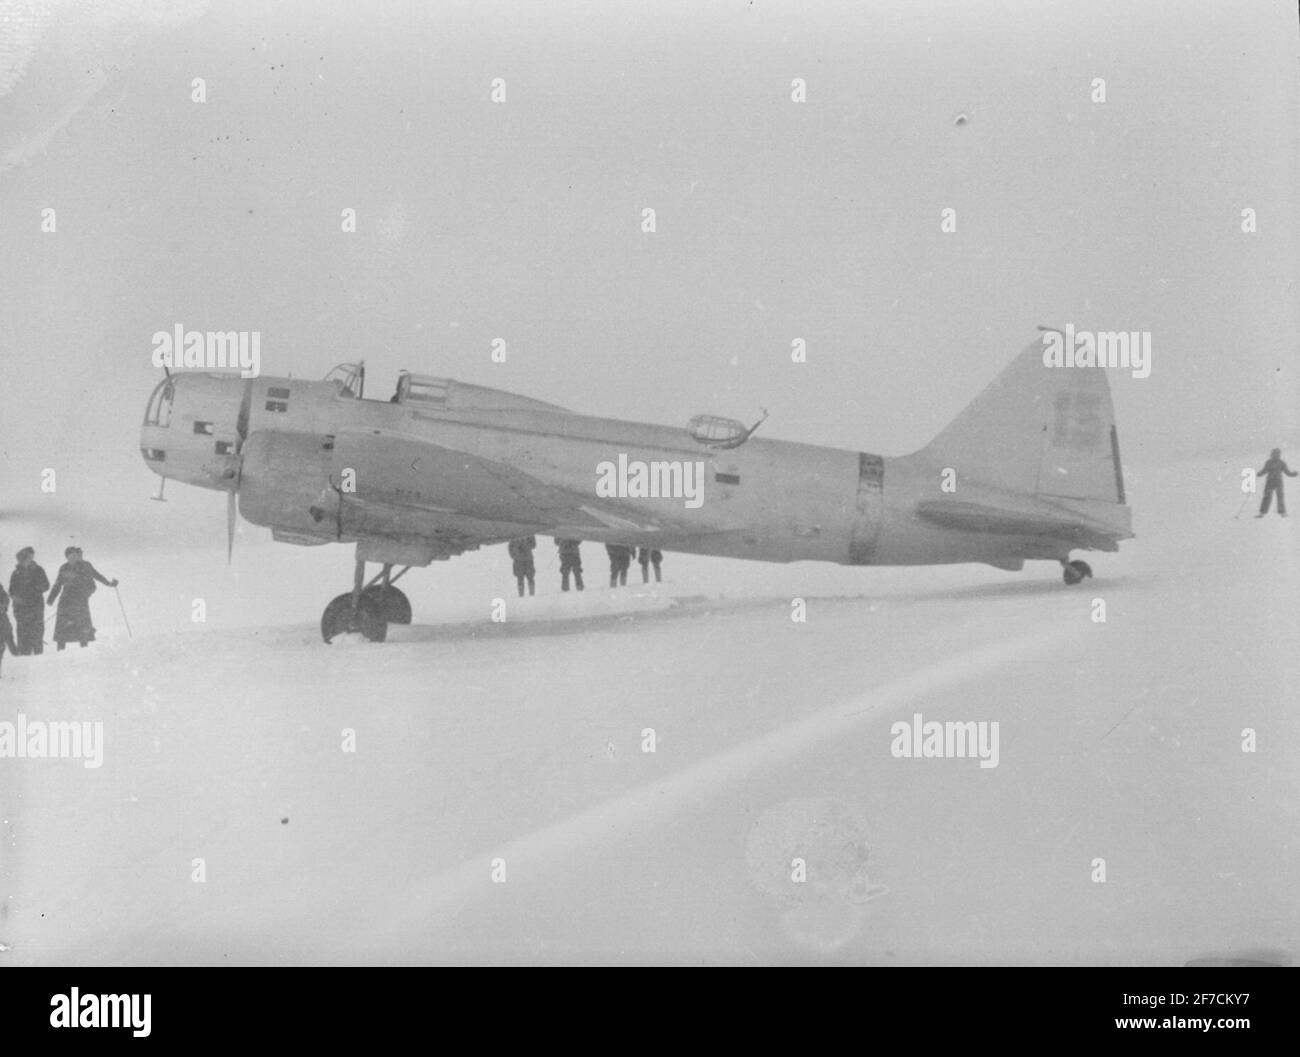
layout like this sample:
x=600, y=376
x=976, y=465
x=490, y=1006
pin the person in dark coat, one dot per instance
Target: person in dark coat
x=620, y=560
x=646, y=556
x=1272, y=474
x=570, y=562
x=521, y=553
x=75, y=583
x=6, y=630
x=27, y=586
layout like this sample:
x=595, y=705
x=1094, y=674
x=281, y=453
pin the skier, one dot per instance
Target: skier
x=1272, y=474
x=646, y=556
x=28, y=585
x=620, y=560
x=570, y=562
x=521, y=552
x=76, y=582
x=6, y=630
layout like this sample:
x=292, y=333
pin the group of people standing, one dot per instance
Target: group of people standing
x=72, y=588
x=620, y=560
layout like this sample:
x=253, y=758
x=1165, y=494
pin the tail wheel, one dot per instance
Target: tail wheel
x=1076, y=571
x=393, y=604
x=368, y=620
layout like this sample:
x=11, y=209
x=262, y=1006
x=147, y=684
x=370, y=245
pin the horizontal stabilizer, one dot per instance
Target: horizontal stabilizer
x=1068, y=526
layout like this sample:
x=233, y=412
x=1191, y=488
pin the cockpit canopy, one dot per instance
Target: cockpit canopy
x=351, y=378
x=425, y=392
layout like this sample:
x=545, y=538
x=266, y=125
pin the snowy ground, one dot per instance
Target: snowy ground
x=522, y=741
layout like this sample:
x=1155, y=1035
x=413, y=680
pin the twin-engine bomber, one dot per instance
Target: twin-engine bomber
x=1030, y=470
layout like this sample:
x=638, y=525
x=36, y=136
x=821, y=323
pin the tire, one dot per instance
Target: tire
x=393, y=604
x=338, y=619
x=371, y=621
x=1075, y=572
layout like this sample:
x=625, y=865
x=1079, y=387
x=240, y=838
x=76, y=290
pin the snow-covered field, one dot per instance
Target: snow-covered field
x=516, y=748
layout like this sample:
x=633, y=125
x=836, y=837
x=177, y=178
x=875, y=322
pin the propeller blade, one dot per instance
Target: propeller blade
x=232, y=498
x=231, y=510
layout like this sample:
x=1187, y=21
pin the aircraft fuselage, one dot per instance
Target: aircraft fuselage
x=416, y=481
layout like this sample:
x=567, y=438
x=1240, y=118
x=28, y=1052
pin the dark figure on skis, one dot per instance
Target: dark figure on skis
x=570, y=562
x=646, y=556
x=620, y=560
x=521, y=553
x=6, y=630
x=1272, y=474
x=76, y=583
x=27, y=586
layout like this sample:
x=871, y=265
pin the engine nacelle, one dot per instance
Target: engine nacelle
x=307, y=490
x=285, y=483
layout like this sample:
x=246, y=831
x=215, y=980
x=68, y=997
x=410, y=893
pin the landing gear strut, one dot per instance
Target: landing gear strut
x=1075, y=571
x=395, y=606
x=365, y=609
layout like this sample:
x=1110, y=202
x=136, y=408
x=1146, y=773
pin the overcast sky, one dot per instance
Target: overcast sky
x=775, y=219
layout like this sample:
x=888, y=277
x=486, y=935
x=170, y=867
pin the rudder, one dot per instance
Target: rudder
x=1040, y=429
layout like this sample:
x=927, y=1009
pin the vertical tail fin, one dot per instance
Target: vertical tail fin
x=1039, y=429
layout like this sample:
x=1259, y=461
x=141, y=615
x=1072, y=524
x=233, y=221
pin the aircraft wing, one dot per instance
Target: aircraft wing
x=400, y=474
x=1064, y=521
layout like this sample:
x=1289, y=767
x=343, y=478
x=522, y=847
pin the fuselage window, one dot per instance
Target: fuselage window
x=203, y=427
x=159, y=411
x=277, y=399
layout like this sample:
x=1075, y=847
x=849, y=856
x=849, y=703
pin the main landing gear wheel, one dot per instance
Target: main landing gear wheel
x=368, y=619
x=392, y=603
x=1075, y=571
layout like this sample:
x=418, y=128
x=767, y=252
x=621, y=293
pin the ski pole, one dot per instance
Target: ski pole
x=123, y=609
x=1241, y=506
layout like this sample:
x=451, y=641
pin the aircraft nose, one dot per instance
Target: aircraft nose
x=193, y=425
